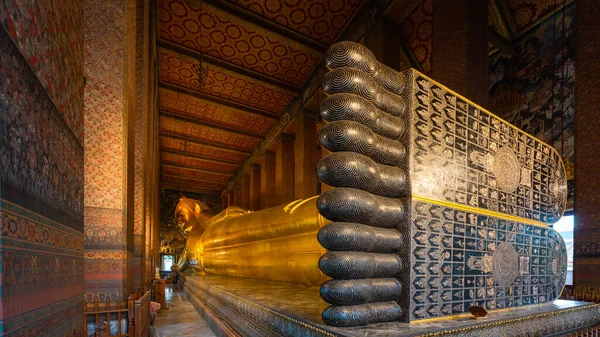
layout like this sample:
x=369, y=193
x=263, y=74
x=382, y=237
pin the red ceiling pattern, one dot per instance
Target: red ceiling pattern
x=186, y=129
x=197, y=163
x=207, y=111
x=208, y=30
x=171, y=144
x=321, y=20
x=178, y=69
x=228, y=38
x=255, y=63
x=417, y=28
x=171, y=170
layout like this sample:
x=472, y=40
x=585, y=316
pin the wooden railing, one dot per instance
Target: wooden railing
x=99, y=316
x=129, y=318
x=585, y=294
x=139, y=315
x=593, y=331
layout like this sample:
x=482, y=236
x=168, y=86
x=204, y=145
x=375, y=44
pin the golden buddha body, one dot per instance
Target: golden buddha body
x=276, y=244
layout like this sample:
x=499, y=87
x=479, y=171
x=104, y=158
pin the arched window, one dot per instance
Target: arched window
x=167, y=262
x=565, y=228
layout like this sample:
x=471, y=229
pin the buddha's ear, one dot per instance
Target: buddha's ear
x=197, y=209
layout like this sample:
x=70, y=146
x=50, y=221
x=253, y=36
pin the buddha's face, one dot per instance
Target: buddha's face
x=185, y=217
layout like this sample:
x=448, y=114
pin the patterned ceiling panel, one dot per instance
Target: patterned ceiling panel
x=208, y=134
x=203, y=110
x=175, y=180
x=321, y=20
x=167, y=143
x=417, y=28
x=177, y=69
x=193, y=174
x=527, y=13
x=231, y=39
x=197, y=163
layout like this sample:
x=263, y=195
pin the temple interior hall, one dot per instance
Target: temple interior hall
x=299, y=168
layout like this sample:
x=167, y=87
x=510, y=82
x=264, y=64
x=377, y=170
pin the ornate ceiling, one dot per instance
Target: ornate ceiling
x=513, y=18
x=509, y=19
x=256, y=55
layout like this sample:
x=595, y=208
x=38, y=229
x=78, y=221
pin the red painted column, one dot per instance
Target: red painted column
x=245, y=191
x=284, y=169
x=255, y=182
x=305, y=169
x=459, y=57
x=267, y=181
x=586, y=268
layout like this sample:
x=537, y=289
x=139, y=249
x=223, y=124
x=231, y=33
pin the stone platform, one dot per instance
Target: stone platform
x=244, y=307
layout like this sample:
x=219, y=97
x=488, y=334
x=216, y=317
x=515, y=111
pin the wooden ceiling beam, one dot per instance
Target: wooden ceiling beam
x=218, y=100
x=205, y=180
x=506, y=16
x=189, y=188
x=506, y=48
x=204, y=143
x=260, y=21
x=199, y=157
x=174, y=177
x=193, y=168
x=224, y=64
x=210, y=124
x=399, y=10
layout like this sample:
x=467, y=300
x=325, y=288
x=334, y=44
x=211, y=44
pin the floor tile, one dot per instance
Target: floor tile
x=181, y=319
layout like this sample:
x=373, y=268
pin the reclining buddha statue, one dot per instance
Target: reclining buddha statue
x=437, y=205
x=275, y=244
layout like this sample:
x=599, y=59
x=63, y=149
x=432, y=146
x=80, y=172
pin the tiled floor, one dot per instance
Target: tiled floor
x=181, y=319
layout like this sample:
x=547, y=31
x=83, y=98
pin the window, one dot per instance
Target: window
x=167, y=262
x=565, y=228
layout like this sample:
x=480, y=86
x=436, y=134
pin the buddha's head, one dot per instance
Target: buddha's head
x=188, y=213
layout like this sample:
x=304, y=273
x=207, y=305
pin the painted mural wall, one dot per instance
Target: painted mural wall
x=41, y=170
x=121, y=151
x=534, y=88
x=106, y=265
